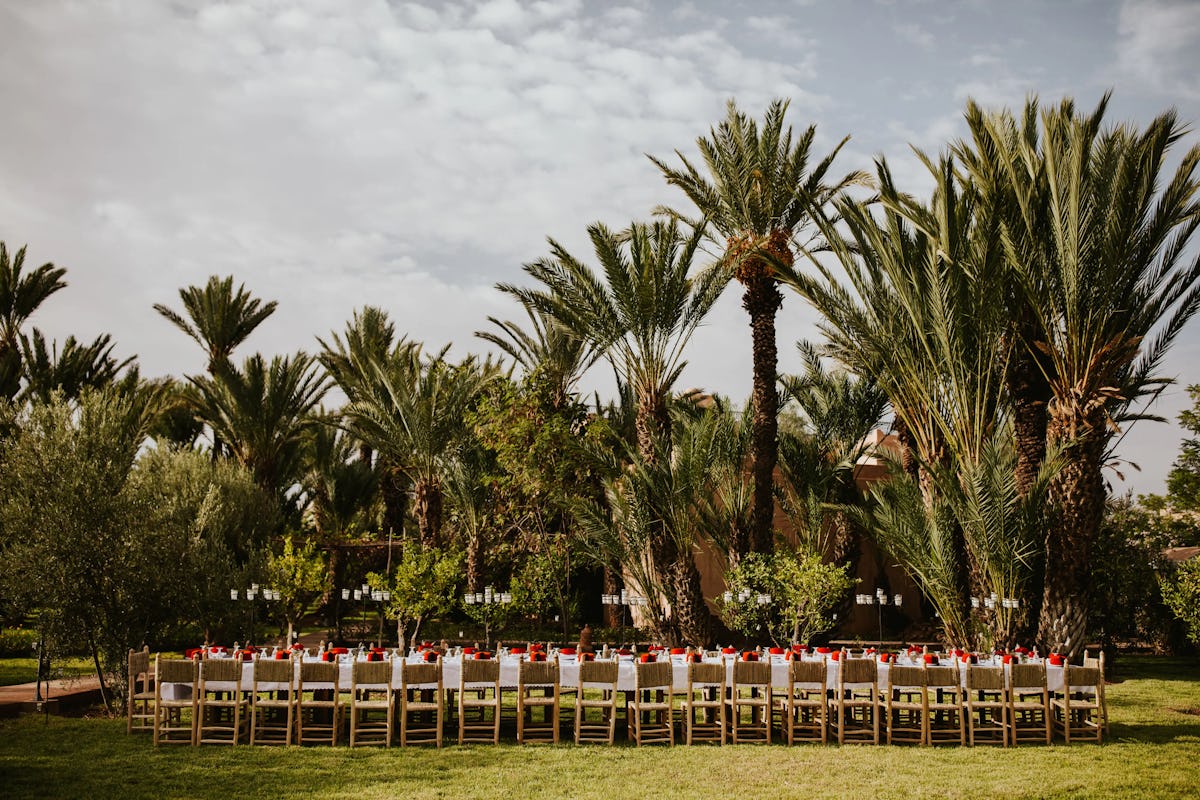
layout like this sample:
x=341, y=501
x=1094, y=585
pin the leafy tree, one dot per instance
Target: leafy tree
x=299, y=575
x=79, y=546
x=755, y=192
x=1182, y=595
x=800, y=591
x=1183, y=481
x=422, y=585
x=20, y=295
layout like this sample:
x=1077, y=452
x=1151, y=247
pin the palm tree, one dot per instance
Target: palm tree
x=70, y=370
x=549, y=349
x=218, y=318
x=755, y=193
x=20, y=296
x=916, y=314
x=818, y=458
x=370, y=338
x=641, y=316
x=1099, y=252
x=413, y=412
x=262, y=412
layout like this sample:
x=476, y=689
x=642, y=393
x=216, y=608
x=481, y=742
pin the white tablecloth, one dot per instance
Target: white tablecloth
x=569, y=674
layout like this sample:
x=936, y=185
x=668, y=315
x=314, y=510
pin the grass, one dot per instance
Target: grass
x=1153, y=753
x=24, y=670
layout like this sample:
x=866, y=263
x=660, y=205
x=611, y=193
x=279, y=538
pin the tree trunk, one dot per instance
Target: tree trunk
x=762, y=299
x=653, y=422
x=427, y=506
x=693, y=621
x=1077, y=502
x=393, y=491
x=612, y=585
x=1029, y=393
x=474, y=567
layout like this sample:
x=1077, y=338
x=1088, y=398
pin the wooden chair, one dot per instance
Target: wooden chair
x=651, y=708
x=987, y=705
x=748, y=705
x=372, y=708
x=596, y=692
x=803, y=711
x=704, y=704
x=1078, y=712
x=1028, y=704
x=482, y=679
x=140, y=689
x=903, y=705
x=852, y=712
x=537, y=688
x=1098, y=663
x=319, y=707
x=273, y=702
x=222, y=707
x=175, y=700
x=420, y=703
x=945, y=719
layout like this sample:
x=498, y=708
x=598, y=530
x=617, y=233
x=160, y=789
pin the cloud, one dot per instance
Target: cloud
x=1157, y=44
x=916, y=34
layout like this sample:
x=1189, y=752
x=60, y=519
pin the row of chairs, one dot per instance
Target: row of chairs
x=922, y=705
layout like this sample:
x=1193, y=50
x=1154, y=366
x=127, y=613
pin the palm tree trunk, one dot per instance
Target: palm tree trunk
x=693, y=621
x=427, y=505
x=393, y=491
x=1029, y=393
x=1077, y=499
x=612, y=585
x=762, y=299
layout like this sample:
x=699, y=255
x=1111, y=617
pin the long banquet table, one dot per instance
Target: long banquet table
x=569, y=673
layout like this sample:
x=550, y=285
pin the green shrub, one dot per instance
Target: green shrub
x=17, y=642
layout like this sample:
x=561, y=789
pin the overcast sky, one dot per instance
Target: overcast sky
x=331, y=154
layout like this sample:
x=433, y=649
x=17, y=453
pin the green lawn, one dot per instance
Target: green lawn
x=1154, y=752
x=24, y=670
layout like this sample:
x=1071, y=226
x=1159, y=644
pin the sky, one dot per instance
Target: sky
x=332, y=154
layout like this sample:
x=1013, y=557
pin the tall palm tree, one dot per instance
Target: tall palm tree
x=916, y=313
x=20, y=296
x=641, y=316
x=1099, y=249
x=414, y=412
x=217, y=317
x=755, y=192
x=370, y=338
x=262, y=412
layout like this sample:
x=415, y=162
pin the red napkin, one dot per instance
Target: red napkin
x=339, y=651
x=647, y=658
x=885, y=657
x=822, y=650
x=282, y=655
x=624, y=652
x=836, y=655
x=931, y=658
x=247, y=655
x=728, y=650
x=536, y=648
x=373, y=656
x=588, y=656
x=749, y=655
x=537, y=655
x=776, y=651
x=695, y=658
x=1056, y=659
x=192, y=652
x=678, y=651
x=328, y=655
x=468, y=651
x=431, y=656
x=792, y=655
x=567, y=651
x=517, y=651
x=482, y=655
x=1008, y=659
